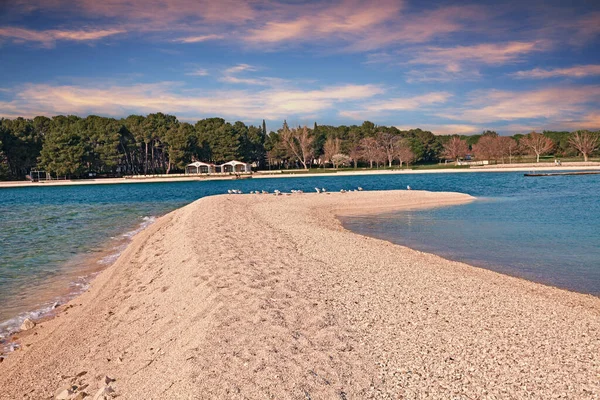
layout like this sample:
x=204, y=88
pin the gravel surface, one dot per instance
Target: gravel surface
x=263, y=296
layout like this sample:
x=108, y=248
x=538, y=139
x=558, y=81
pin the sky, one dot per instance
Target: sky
x=445, y=66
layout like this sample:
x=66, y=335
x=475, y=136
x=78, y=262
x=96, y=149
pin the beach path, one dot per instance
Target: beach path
x=263, y=296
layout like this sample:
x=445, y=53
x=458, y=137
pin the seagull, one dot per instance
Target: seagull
x=323, y=190
x=229, y=191
x=318, y=190
x=360, y=189
x=408, y=187
x=342, y=191
x=265, y=192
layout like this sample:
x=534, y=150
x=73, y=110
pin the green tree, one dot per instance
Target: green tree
x=181, y=142
x=64, y=149
x=102, y=137
x=22, y=145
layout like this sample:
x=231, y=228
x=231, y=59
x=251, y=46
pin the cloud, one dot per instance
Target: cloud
x=157, y=13
x=446, y=129
x=377, y=108
x=429, y=75
x=579, y=71
x=341, y=20
x=488, y=53
x=444, y=64
x=198, y=39
x=198, y=72
x=49, y=37
x=569, y=103
x=118, y=101
x=230, y=75
x=239, y=68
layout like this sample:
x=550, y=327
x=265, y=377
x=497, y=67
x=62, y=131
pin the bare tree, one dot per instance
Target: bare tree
x=508, y=147
x=298, y=143
x=380, y=156
x=537, y=144
x=370, y=149
x=488, y=147
x=456, y=148
x=388, y=143
x=403, y=153
x=355, y=152
x=585, y=142
x=331, y=148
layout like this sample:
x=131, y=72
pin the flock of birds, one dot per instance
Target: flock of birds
x=279, y=193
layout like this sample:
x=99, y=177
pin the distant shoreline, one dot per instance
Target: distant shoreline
x=499, y=168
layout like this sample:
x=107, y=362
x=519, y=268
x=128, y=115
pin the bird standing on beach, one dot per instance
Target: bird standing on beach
x=360, y=189
x=408, y=187
x=318, y=190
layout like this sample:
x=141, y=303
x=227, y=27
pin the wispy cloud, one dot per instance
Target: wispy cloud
x=444, y=64
x=446, y=129
x=341, y=20
x=156, y=13
x=381, y=107
x=198, y=39
x=49, y=37
x=579, y=71
x=271, y=103
x=231, y=76
x=198, y=72
x=569, y=103
x=429, y=75
x=453, y=58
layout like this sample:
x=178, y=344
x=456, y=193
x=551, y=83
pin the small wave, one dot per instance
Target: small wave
x=117, y=250
x=12, y=326
x=146, y=221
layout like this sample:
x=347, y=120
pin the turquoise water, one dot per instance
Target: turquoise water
x=53, y=239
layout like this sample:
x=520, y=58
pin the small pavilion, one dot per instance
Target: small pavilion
x=236, y=167
x=199, y=167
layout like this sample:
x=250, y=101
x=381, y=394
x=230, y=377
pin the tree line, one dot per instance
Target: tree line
x=71, y=146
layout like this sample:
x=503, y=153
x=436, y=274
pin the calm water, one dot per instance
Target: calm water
x=52, y=239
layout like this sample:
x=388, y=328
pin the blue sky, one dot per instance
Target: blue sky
x=449, y=67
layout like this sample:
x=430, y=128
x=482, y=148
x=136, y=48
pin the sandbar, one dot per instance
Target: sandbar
x=263, y=296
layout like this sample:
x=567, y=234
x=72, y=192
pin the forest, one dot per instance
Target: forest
x=75, y=147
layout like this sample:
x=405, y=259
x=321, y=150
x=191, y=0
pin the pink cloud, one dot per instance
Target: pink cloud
x=555, y=104
x=447, y=129
x=579, y=71
x=198, y=39
x=162, y=12
x=488, y=53
x=344, y=20
x=49, y=37
x=380, y=107
x=422, y=27
x=116, y=100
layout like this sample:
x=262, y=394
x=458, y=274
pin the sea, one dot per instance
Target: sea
x=55, y=239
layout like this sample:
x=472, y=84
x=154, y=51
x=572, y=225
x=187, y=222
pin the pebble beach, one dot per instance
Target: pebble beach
x=263, y=296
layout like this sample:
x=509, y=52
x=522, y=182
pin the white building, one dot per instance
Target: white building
x=231, y=167
x=236, y=167
x=199, y=167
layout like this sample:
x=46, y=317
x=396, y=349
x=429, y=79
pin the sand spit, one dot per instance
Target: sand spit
x=262, y=296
